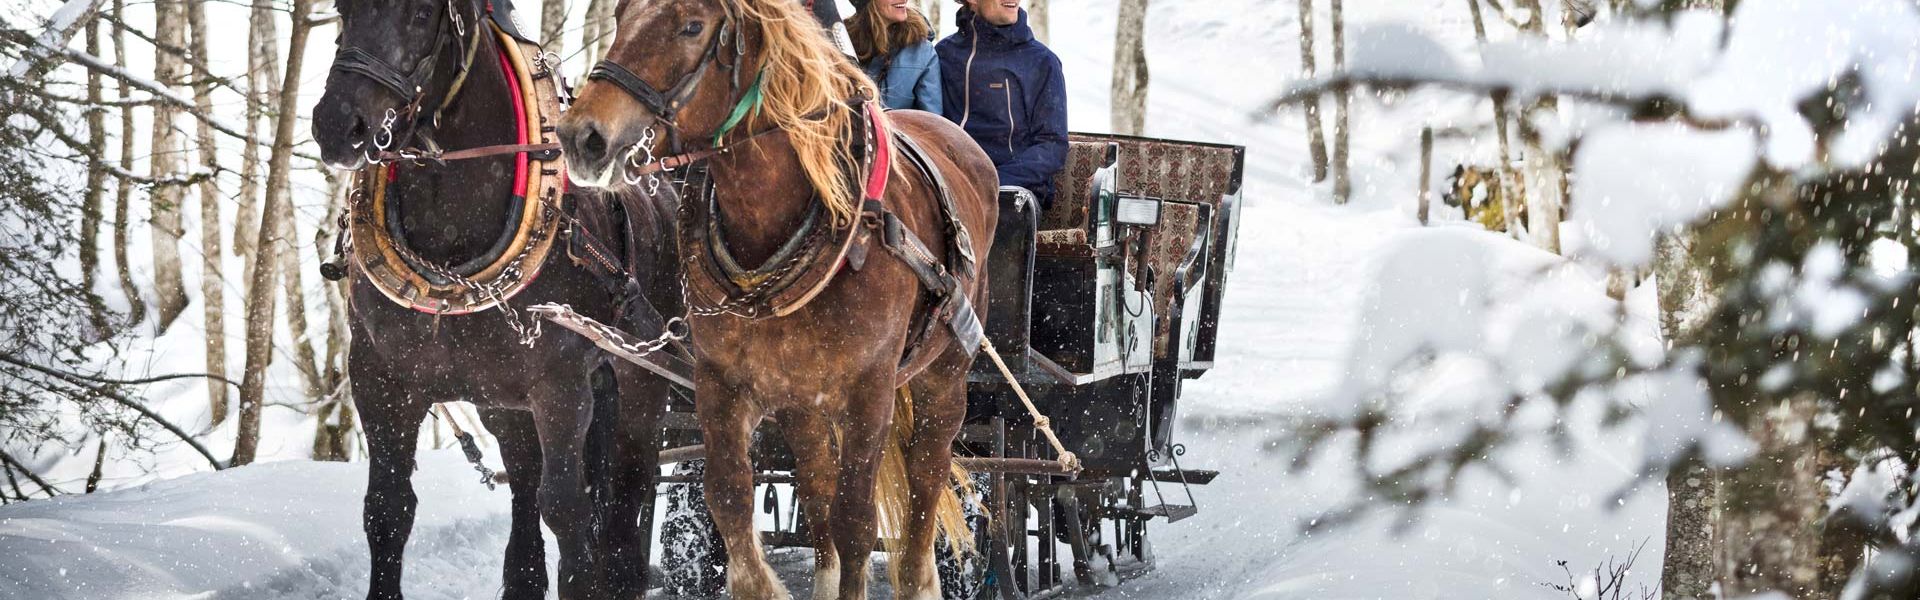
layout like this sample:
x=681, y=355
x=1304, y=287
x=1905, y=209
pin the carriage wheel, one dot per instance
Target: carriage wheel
x=965, y=576
x=694, y=559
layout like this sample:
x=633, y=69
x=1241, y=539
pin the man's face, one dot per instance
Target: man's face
x=997, y=12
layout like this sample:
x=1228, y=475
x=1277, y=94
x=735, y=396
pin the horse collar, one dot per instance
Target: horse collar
x=377, y=249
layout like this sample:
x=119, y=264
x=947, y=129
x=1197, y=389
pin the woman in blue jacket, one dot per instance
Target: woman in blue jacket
x=1007, y=90
x=895, y=47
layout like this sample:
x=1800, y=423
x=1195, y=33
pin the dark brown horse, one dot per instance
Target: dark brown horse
x=749, y=96
x=586, y=466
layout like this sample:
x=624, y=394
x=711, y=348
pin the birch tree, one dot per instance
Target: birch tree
x=1130, y=75
x=90, y=211
x=1039, y=20
x=213, y=299
x=1316, y=135
x=260, y=298
x=263, y=87
x=163, y=163
x=1343, y=100
x=553, y=21
x=123, y=192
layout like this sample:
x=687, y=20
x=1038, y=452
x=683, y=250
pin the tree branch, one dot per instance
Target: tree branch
x=15, y=465
x=82, y=382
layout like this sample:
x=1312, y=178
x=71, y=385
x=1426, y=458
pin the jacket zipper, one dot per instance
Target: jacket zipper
x=1011, y=126
x=967, y=105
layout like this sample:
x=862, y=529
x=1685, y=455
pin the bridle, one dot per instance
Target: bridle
x=667, y=104
x=412, y=83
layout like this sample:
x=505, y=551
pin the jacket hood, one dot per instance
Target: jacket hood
x=970, y=24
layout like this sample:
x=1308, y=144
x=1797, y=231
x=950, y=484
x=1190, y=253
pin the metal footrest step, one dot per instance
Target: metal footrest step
x=1192, y=476
x=1174, y=513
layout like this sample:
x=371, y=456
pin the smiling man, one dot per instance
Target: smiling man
x=1007, y=90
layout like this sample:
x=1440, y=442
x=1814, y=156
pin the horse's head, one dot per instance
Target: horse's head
x=397, y=60
x=674, y=69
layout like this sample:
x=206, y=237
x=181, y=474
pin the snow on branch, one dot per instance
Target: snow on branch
x=1758, y=72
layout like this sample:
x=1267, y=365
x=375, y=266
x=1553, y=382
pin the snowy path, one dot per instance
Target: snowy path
x=279, y=530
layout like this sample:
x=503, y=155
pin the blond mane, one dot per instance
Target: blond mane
x=807, y=83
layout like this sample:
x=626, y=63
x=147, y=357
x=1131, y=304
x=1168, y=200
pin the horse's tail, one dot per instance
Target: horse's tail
x=892, y=497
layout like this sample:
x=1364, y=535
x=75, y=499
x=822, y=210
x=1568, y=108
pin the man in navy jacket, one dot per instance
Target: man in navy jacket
x=1007, y=90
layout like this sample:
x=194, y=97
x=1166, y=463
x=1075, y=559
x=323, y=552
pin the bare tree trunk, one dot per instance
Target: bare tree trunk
x=1505, y=169
x=1545, y=172
x=212, y=283
x=123, y=194
x=1130, y=76
x=263, y=86
x=597, y=29
x=169, y=287
x=1426, y=174
x=1689, y=569
x=260, y=303
x=287, y=250
x=553, y=20
x=335, y=292
x=1772, y=506
x=1040, y=21
x=1316, y=135
x=1343, y=100
x=90, y=215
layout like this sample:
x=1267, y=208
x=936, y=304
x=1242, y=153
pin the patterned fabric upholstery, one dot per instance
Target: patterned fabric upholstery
x=1180, y=224
x=1176, y=171
x=1071, y=186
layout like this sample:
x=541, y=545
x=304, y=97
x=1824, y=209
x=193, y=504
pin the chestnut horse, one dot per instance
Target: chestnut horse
x=749, y=102
x=539, y=400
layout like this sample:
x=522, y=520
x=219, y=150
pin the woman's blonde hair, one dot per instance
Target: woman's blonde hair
x=873, y=35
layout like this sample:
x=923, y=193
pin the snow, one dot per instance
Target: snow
x=1324, y=301
x=1637, y=181
x=276, y=530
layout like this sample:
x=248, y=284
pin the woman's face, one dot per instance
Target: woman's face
x=894, y=11
x=997, y=12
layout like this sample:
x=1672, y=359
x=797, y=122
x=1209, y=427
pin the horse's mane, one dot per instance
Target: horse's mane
x=807, y=84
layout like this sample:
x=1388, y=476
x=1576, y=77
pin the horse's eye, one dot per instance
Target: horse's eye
x=693, y=28
x=423, y=14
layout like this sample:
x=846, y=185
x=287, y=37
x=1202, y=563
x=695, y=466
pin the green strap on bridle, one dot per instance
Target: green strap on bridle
x=748, y=103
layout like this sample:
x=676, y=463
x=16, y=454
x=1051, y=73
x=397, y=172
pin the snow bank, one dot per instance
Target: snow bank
x=277, y=530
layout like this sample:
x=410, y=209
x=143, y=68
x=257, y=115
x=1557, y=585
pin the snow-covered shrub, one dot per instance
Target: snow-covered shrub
x=1783, y=140
x=54, y=330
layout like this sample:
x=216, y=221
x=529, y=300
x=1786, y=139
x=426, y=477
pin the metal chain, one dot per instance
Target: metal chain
x=676, y=329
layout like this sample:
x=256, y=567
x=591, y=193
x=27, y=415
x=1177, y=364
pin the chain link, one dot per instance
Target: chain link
x=676, y=329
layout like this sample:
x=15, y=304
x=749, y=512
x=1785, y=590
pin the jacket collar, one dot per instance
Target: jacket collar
x=971, y=24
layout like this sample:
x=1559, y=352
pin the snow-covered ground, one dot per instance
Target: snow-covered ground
x=1294, y=308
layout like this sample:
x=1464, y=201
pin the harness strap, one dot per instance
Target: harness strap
x=471, y=153
x=352, y=59
x=955, y=308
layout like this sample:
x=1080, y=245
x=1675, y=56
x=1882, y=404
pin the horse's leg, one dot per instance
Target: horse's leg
x=643, y=400
x=940, y=406
x=863, y=434
x=525, y=573
x=810, y=435
x=562, y=410
x=727, y=420
x=392, y=422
